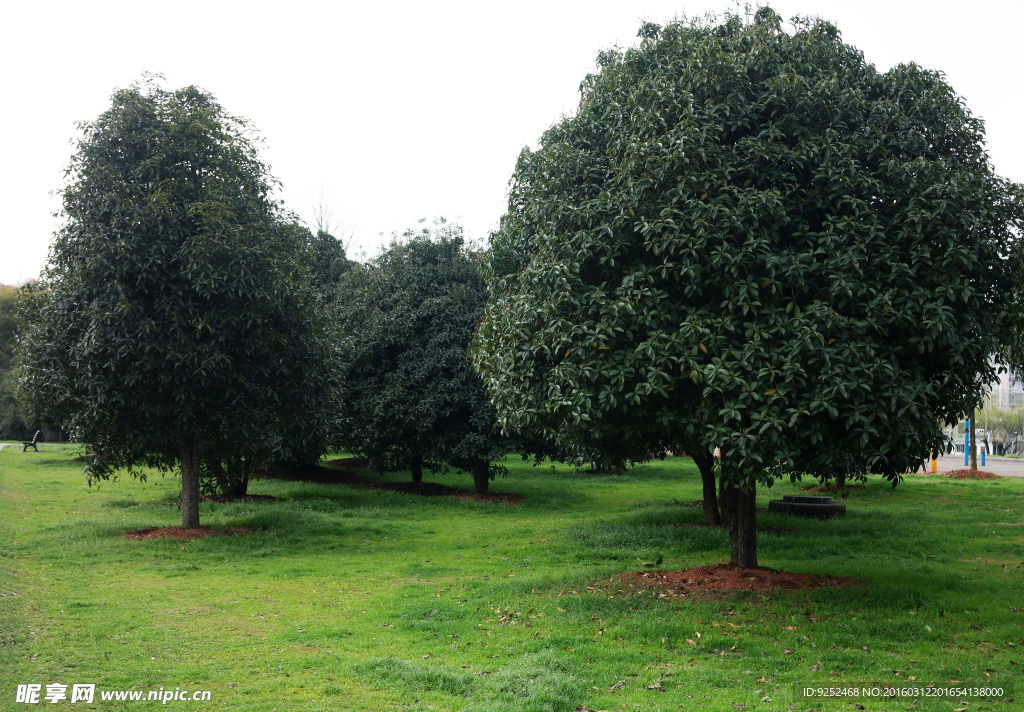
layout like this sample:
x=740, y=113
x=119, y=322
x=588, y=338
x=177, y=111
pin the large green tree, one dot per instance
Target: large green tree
x=176, y=323
x=12, y=420
x=407, y=318
x=328, y=261
x=751, y=239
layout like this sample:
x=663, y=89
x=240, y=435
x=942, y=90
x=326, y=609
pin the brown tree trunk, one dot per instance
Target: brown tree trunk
x=743, y=532
x=727, y=500
x=705, y=462
x=481, y=479
x=237, y=479
x=974, y=446
x=191, y=465
x=417, y=469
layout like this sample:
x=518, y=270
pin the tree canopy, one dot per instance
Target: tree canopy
x=176, y=322
x=327, y=261
x=12, y=419
x=755, y=240
x=407, y=318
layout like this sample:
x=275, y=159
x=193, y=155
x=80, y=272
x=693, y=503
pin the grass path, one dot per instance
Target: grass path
x=370, y=600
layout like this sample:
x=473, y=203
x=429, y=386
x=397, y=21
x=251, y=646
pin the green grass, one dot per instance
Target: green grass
x=345, y=599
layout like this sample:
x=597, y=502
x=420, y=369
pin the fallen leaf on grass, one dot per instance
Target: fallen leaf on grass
x=690, y=641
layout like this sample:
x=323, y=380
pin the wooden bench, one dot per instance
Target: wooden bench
x=32, y=443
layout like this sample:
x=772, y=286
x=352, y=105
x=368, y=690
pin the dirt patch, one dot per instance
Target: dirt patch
x=971, y=475
x=182, y=533
x=511, y=500
x=427, y=489
x=761, y=530
x=832, y=489
x=349, y=463
x=722, y=578
x=221, y=499
x=435, y=489
x=311, y=473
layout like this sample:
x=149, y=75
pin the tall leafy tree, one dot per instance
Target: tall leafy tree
x=327, y=261
x=12, y=419
x=176, y=323
x=407, y=318
x=754, y=240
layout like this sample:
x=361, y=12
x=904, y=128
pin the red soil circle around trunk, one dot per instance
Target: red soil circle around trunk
x=182, y=533
x=721, y=578
x=971, y=475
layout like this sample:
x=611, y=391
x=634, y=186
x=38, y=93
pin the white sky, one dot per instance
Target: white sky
x=398, y=111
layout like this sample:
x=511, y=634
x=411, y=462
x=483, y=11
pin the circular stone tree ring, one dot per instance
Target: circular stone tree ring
x=801, y=506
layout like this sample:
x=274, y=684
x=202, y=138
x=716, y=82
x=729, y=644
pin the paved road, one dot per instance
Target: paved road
x=1005, y=466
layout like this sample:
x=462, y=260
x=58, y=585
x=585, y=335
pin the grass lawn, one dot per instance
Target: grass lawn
x=349, y=599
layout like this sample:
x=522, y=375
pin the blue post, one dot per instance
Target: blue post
x=983, y=457
x=967, y=441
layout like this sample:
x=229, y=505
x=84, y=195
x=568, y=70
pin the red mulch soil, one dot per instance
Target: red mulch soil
x=220, y=499
x=349, y=463
x=721, y=578
x=819, y=489
x=435, y=489
x=311, y=473
x=511, y=500
x=182, y=533
x=428, y=489
x=971, y=475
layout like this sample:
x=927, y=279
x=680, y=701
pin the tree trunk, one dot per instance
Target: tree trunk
x=481, y=478
x=706, y=464
x=743, y=532
x=191, y=465
x=238, y=479
x=417, y=469
x=840, y=480
x=727, y=499
x=974, y=446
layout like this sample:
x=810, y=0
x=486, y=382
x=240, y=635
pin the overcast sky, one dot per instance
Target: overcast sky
x=397, y=111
